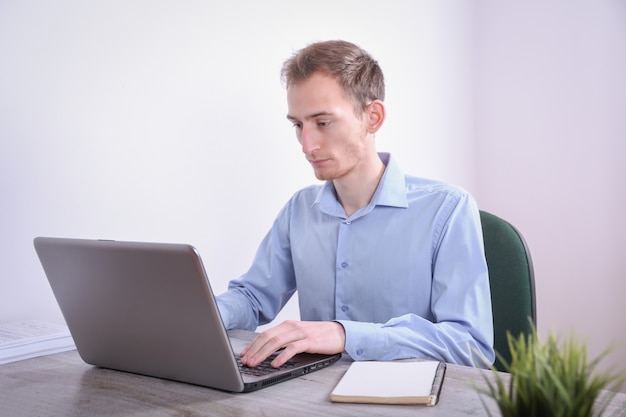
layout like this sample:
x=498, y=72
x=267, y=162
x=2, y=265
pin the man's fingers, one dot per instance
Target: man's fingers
x=268, y=343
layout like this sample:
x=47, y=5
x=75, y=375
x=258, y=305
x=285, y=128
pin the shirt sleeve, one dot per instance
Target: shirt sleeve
x=462, y=327
x=257, y=297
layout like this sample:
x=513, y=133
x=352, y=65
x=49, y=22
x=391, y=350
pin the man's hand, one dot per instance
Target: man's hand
x=294, y=337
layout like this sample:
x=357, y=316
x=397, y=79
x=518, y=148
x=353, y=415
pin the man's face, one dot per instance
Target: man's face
x=332, y=136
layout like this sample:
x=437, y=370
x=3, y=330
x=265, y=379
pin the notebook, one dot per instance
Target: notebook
x=148, y=308
x=397, y=382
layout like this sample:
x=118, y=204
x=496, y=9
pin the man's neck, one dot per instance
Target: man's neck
x=355, y=190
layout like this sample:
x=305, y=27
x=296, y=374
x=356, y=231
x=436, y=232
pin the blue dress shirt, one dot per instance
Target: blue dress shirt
x=405, y=275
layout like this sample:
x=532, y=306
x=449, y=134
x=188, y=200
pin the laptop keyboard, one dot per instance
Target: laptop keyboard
x=264, y=367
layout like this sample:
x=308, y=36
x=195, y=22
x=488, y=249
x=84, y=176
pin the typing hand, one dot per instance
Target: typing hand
x=294, y=337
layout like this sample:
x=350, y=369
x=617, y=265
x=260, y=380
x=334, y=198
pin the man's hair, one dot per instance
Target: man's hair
x=353, y=68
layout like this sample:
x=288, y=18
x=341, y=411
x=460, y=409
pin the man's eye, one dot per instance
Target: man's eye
x=323, y=123
x=297, y=125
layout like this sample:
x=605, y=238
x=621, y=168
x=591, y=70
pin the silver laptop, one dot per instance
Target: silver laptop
x=148, y=308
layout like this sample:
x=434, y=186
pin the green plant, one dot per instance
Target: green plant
x=550, y=379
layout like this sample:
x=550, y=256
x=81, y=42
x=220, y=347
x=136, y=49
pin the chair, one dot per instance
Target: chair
x=512, y=282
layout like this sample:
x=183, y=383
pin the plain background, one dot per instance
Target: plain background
x=165, y=121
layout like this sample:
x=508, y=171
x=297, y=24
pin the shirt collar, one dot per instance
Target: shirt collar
x=391, y=191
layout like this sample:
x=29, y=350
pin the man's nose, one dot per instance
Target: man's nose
x=308, y=140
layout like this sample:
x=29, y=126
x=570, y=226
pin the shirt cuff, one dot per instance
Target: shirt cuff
x=363, y=340
x=224, y=314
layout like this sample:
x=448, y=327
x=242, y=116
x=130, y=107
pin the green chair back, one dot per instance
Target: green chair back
x=512, y=282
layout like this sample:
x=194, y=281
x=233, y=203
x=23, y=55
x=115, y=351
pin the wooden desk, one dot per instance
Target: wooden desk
x=63, y=385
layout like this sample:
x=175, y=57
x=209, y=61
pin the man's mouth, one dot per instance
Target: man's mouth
x=317, y=162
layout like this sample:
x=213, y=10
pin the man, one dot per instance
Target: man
x=386, y=266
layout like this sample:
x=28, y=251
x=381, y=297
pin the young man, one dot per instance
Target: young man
x=386, y=266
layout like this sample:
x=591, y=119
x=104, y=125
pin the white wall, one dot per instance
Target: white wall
x=165, y=121
x=550, y=123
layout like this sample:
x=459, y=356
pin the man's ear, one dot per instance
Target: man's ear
x=376, y=113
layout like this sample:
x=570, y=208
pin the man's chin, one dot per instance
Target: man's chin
x=321, y=175
x=326, y=175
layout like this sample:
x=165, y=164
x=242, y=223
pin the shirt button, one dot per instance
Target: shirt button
x=359, y=352
x=345, y=308
x=348, y=222
x=344, y=264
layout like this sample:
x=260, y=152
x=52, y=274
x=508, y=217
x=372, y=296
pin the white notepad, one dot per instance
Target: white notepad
x=398, y=382
x=31, y=338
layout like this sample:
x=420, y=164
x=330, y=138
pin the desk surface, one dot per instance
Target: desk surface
x=63, y=385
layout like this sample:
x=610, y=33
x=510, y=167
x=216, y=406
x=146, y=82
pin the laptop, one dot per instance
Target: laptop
x=148, y=308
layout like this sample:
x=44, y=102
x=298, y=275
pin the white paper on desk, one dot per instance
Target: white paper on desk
x=387, y=380
x=32, y=338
